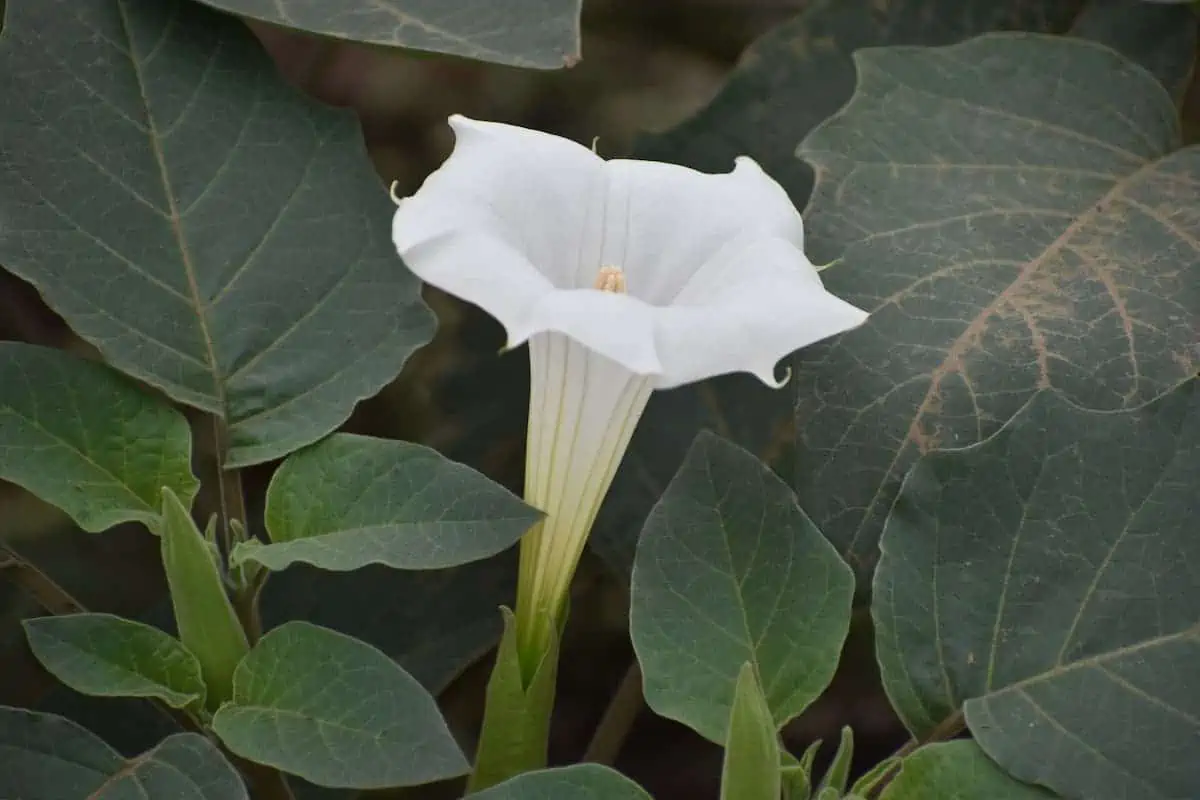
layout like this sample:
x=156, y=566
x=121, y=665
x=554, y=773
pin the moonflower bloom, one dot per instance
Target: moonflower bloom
x=624, y=277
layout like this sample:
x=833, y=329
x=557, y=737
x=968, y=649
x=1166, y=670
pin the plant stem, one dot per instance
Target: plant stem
x=618, y=719
x=232, y=499
x=267, y=783
x=40, y=586
x=229, y=487
x=948, y=728
x=245, y=605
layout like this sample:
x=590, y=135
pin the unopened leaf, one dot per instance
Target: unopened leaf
x=751, y=770
x=87, y=439
x=838, y=773
x=729, y=569
x=204, y=615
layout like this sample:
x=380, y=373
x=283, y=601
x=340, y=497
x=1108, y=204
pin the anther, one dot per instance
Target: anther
x=610, y=279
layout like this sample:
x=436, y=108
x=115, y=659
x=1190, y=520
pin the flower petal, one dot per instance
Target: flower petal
x=755, y=302
x=539, y=193
x=443, y=246
x=617, y=326
x=662, y=221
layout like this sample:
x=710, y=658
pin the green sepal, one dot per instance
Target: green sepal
x=796, y=783
x=516, y=717
x=838, y=773
x=751, y=770
x=204, y=616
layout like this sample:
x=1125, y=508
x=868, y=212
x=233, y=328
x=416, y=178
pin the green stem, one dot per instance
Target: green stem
x=40, y=586
x=948, y=728
x=618, y=719
x=267, y=783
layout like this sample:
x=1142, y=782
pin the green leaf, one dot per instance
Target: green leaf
x=1044, y=582
x=107, y=656
x=350, y=501
x=956, y=770
x=434, y=624
x=90, y=441
x=335, y=711
x=522, y=33
x=577, y=782
x=516, y=721
x=1049, y=247
x=46, y=757
x=808, y=57
x=751, y=766
x=212, y=231
x=729, y=569
x=838, y=773
x=207, y=624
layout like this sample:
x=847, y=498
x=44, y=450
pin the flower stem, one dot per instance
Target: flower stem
x=618, y=719
x=48, y=594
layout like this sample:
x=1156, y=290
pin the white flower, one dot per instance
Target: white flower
x=624, y=277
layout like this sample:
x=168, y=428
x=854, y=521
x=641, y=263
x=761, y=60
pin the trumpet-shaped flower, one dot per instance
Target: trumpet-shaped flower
x=624, y=277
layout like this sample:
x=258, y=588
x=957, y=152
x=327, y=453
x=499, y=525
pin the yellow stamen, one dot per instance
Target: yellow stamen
x=610, y=279
x=392, y=191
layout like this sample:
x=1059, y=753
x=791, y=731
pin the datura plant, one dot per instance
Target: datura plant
x=946, y=481
x=624, y=277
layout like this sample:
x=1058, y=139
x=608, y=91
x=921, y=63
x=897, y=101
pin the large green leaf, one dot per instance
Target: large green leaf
x=1045, y=583
x=46, y=757
x=105, y=655
x=957, y=771
x=578, y=782
x=863, y=385
x=730, y=570
x=350, y=501
x=788, y=82
x=335, y=711
x=87, y=439
x=1014, y=212
x=523, y=33
x=212, y=231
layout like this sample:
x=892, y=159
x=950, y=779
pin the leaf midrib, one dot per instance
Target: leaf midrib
x=175, y=220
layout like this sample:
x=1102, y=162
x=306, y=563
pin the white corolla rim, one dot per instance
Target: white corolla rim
x=520, y=223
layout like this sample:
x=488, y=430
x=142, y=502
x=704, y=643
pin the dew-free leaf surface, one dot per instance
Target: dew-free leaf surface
x=212, y=231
